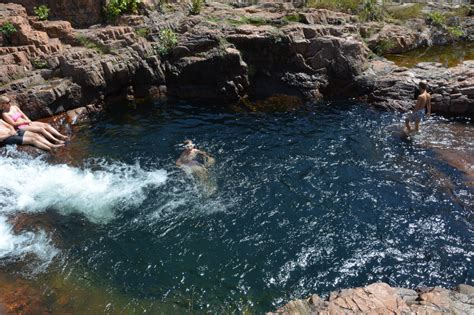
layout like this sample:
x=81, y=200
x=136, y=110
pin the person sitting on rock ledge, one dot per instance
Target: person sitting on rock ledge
x=15, y=117
x=8, y=135
x=423, y=102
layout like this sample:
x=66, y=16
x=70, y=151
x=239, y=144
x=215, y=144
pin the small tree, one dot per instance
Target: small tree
x=8, y=29
x=41, y=12
x=168, y=40
x=115, y=8
x=195, y=7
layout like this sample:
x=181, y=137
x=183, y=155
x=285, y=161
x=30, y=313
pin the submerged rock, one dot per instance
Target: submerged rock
x=380, y=298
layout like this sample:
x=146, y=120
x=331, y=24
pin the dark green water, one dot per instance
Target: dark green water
x=448, y=56
x=321, y=198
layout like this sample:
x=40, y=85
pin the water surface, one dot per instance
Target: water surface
x=448, y=56
x=320, y=198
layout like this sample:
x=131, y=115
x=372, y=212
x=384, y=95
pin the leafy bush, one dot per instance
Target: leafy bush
x=350, y=6
x=168, y=40
x=8, y=29
x=39, y=63
x=372, y=11
x=195, y=7
x=115, y=8
x=384, y=46
x=292, y=18
x=406, y=13
x=142, y=32
x=456, y=32
x=41, y=12
x=436, y=19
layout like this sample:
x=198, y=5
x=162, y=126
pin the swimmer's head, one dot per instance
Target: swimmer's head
x=423, y=85
x=188, y=145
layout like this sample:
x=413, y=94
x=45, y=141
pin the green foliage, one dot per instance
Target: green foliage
x=456, y=32
x=98, y=47
x=248, y=20
x=350, y=6
x=371, y=11
x=436, y=19
x=8, y=29
x=461, y=11
x=406, y=13
x=384, y=46
x=39, y=63
x=41, y=12
x=196, y=6
x=142, y=32
x=168, y=40
x=295, y=18
x=115, y=8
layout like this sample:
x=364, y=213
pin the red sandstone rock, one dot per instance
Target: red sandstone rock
x=380, y=298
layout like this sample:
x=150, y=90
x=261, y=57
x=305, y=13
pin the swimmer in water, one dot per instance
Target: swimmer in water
x=189, y=163
x=190, y=154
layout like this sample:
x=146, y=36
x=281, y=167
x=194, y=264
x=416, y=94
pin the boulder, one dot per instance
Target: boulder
x=380, y=298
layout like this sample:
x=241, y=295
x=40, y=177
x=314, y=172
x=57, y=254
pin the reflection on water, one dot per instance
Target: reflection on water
x=449, y=56
x=323, y=197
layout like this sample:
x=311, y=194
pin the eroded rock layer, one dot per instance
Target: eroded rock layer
x=224, y=54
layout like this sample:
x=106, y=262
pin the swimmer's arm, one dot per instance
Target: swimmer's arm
x=24, y=116
x=428, y=106
x=204, y=154
x=10, y=121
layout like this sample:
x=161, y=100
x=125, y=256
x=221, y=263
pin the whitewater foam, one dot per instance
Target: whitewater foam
x=14, y=247
x=97, y=191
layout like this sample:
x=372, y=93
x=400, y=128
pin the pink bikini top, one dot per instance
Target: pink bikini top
x=16, y=116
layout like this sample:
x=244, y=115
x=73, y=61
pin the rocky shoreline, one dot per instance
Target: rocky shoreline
x=227, y=55
x=224, y=55
x=380, y=298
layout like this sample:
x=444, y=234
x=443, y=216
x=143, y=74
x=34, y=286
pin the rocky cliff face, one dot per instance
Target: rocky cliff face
x=81, y=13
x=224, y=54
x=380, y=298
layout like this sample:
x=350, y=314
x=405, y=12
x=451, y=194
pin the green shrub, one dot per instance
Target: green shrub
x=384, y=46
x=115, y=8
x=350, y=6
x=436, y=19
x=8, y=29
x=372, y=11
x=456, y=32
x=168, y=40
x=142, y=32
x=195, y=7
x=292, y=18
x=41, y=12
x=39, y=63
x=406, y=13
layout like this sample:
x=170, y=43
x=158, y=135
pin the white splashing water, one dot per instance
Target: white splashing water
x=16, y=246
x=32, y=185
